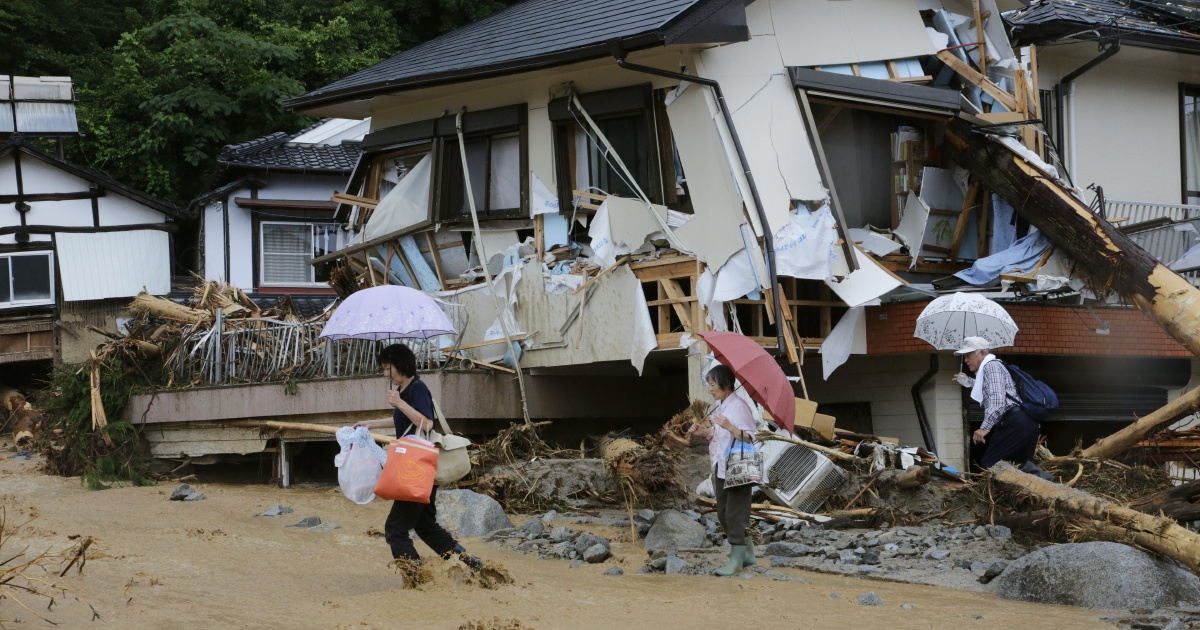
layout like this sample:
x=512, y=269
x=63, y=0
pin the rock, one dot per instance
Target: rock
x=467, y=514
x=644, y=516
x=186, y=493
x=848, y=556
x=870, y=558
x=311, y=521
x=869, y=599
x=935, y=553
x=614, y=571
x=576, y=564
x=325, y=527
x=907, y=606
x=1000, y=532
x=675, y=565
x=834, y=596
x=587, y=540
x=533, y=527
x=674, y=530
x=599, y=553
x=560, y=534
x=658, y=564
x=1097, y=575
x=549, y=517
x=1176, y=624
x=891, y=547
x=278, y=510
x=787, y=549
x=645, y=569
x=501, y=533
x=980, y=532
x=871, y=542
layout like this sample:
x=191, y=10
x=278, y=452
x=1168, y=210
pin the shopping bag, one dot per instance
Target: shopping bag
x=454, y=462
x=743, y=465
x=358, y=472
x=409, y=472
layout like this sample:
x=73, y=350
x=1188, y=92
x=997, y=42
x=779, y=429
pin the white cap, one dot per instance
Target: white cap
x=972, y=344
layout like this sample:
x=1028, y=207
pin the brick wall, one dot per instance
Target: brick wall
x=1060, y=330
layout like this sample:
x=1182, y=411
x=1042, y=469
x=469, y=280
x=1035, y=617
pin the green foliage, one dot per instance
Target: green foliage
x=77, y=449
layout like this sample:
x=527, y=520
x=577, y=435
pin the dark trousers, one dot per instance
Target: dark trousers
x=1013, y=439
x=733, y=509
x=407, y=516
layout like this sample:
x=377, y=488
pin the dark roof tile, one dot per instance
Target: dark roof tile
x=1156, y=21
x=274, y=152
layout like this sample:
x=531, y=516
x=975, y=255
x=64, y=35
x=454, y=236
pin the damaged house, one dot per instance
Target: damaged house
x=809, y=173
x=75, y=244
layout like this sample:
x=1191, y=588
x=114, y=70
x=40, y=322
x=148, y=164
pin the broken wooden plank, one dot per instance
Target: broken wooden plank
x=975, y=78
x=585, y=285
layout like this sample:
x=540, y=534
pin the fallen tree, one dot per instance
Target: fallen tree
x=1178, y=502
x=1110, y=256
x=1146, y=426
x=1112, y=521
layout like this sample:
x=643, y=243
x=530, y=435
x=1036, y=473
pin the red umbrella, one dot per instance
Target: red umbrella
x=758, y=372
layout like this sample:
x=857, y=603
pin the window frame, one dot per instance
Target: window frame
x=52, y=300
x=640, y=101
x=1186, y=90
x=262, y=252
x=441, y=135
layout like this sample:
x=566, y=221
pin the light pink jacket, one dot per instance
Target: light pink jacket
x=735, y=409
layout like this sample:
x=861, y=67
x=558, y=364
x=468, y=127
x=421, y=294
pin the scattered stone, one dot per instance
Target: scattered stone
x=23, y=456
x=834, y=596
x=576, y=564
x=935, y=553
x=311, y=521
x=658, y=564
x=1000, y=532
x=869, y=599
x=977, y=616
x=1176, y=624
x=1098, y=575
x=325, y=527
x=532, y=528
x=587, y=540
x=787, y=549
x=980, y=532
x=674, y=530
x=598, y=553
x=467, y=514
x=907, y=606
x=186, y=493
x=870, y=558
x=675, y=565
x=278, y=510
x=560, y=534
x=644, y=516
x=549, y=517
x=615, y=571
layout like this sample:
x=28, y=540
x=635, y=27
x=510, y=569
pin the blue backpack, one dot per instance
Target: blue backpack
x=1037, y=399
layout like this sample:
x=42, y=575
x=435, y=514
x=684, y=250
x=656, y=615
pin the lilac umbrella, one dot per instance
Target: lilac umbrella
x=388, y=312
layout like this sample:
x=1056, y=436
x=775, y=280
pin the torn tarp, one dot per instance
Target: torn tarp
x=866, y=284
x=1022, y=257
x=405, y=205
x=838, y=346
x=643, y=337
x=807, y=246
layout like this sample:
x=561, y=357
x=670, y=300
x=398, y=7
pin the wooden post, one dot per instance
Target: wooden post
x=1155, y=533
x=1109, y=255
x=982, y=48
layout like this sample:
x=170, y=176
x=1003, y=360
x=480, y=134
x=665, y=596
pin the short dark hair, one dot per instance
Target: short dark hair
x=401, y=358
x=722, y=376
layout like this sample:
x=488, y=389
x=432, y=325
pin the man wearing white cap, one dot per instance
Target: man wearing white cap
x=1010, y=434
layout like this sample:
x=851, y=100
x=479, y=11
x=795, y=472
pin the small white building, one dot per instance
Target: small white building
x=273, y=213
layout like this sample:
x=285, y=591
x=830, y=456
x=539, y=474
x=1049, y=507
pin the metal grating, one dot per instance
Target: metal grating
x=803, y=478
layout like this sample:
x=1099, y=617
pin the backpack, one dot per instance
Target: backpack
x=1036, y=398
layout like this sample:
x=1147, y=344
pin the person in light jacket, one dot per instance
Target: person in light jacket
x=731, y=420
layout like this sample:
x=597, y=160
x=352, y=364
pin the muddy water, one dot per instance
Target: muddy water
x=210, y=564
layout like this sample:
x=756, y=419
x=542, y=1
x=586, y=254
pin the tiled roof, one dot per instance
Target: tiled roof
x=526, y=36
x=274, y=152
x=1161, y=23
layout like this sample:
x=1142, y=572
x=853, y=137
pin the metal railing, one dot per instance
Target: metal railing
x=1165, y=231
x=268, y=350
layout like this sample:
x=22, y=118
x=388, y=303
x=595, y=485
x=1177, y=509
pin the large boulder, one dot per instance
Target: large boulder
x=1098, y=575
x=468, y=514
x=673, y=529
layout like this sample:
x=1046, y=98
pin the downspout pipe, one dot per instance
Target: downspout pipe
x=768, y=237
x=1108, y=48
x=922, y=417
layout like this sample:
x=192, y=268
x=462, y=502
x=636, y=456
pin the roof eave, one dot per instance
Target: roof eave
x=562, y=58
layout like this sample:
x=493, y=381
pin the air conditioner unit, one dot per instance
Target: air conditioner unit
x=798, y=477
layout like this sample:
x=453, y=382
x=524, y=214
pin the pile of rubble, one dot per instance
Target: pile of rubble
x=537, y=536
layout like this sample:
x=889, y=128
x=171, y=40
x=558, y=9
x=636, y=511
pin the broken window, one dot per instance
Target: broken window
x=287, y=250
x=26, y=280
x=633, y=121
x=1190, y=120
x=495, y=169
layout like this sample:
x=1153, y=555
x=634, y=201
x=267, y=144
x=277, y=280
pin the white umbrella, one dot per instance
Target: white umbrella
x=946, y=321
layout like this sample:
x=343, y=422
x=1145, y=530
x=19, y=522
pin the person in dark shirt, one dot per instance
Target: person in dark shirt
x=412, y=412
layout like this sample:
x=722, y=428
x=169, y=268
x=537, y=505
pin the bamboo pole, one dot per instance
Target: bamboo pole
x=300, y=426
x=1117, y=522
x=1146, y=426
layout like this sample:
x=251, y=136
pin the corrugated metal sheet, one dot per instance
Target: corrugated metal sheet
x=113, y=264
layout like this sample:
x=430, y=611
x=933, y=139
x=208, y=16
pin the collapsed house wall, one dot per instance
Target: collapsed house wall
x=886, y=383
x=74, y=339
x=1129, y=105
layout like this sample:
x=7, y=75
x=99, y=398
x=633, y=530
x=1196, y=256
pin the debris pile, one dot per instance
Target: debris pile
x=536, y=536
x=28, y=577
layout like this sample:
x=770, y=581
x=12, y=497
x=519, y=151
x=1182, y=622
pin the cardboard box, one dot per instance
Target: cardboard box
x=807, y=416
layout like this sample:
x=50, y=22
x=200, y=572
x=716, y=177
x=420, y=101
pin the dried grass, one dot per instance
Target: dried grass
x=29, y=580
x=495, y=623
x=416, y=574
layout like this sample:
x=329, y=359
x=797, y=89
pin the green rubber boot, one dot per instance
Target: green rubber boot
x=748, y=559
x=737, y=554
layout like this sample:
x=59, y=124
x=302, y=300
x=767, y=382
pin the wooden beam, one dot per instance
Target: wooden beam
x=675, y=292
x=585, y=285
x=964, y=217
x=436, y=254
x=972, y=75
x=982, y=49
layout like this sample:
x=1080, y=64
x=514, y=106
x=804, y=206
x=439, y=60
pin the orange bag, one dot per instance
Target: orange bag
x=409, y=471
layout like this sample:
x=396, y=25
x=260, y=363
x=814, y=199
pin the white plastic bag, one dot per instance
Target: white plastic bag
x=359, y=466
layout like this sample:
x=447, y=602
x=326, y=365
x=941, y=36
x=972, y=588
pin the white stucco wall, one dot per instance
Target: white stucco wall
x=1126, y=118
x=886, y=382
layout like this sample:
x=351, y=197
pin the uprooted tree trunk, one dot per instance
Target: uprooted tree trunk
x=1181, y=502
x=1146, y=426
x=146, y=304
x=1116, y=522
x=1110, y=256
